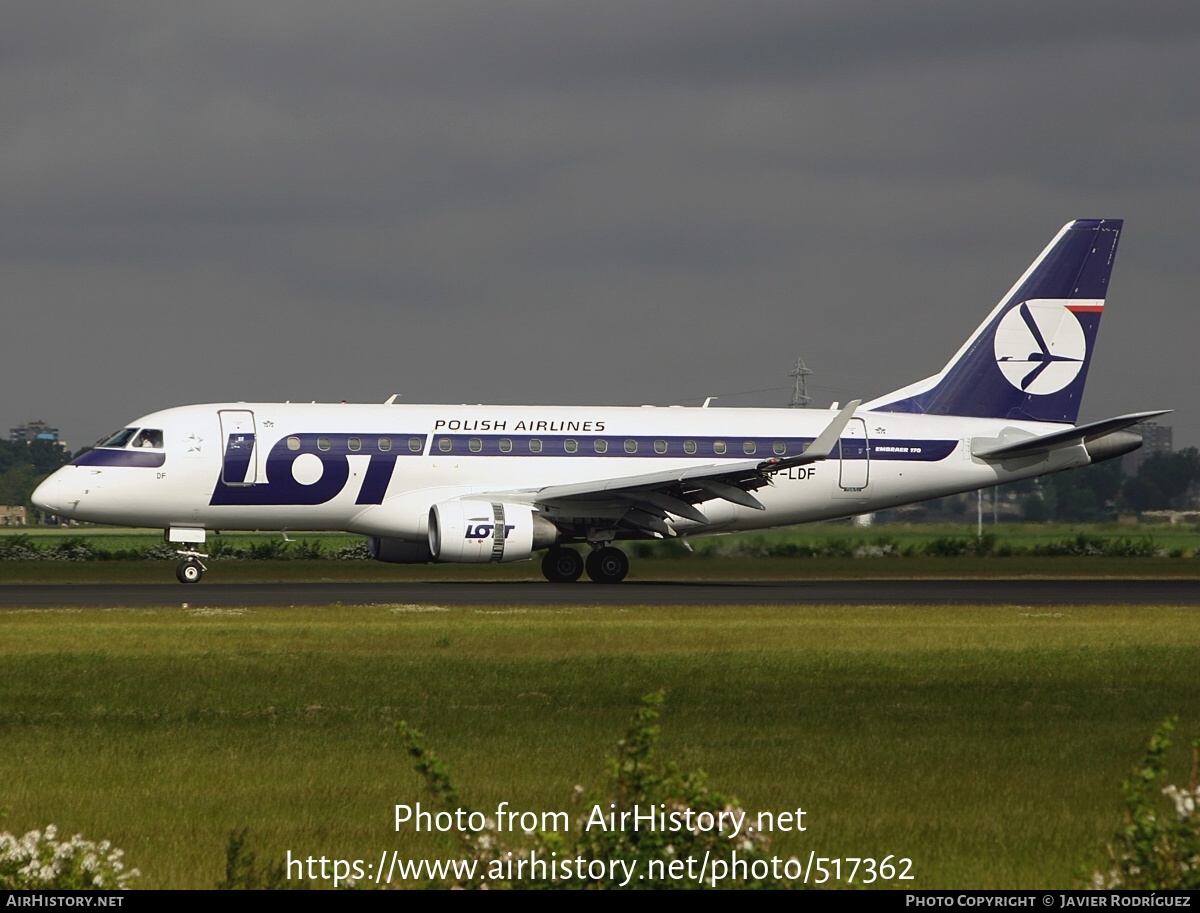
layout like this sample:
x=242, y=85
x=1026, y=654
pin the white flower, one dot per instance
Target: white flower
x=48, y=863
x=1185, y=801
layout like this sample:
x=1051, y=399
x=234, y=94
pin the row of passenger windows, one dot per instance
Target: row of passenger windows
x=600, y=445
x=354, y=444
x=534, y=445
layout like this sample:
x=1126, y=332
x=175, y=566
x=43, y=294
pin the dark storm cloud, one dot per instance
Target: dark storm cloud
x=627, y=201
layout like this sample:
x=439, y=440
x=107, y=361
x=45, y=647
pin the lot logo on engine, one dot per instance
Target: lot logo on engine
x=485, y=530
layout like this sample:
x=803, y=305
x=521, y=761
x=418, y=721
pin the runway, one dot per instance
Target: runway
x=707, y=593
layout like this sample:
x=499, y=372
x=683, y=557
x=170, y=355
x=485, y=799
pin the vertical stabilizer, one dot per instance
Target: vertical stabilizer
x=1029, y=359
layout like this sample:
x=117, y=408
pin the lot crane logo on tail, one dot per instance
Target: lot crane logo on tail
x=1040, y=346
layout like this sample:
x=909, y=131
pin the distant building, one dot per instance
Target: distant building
x=33, y=431
x=1155, y=439
x=12, y=516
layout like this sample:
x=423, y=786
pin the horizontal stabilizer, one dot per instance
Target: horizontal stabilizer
x=1068, y=437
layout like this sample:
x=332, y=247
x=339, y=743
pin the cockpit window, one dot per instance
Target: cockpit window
x=132, y=437
x=120, y=439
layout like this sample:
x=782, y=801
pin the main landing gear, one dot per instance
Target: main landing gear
x=607, y=565
x=562, y=565
x=603, y=565
x=190, y=569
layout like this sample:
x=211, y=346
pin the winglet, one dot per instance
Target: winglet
x=822, y=447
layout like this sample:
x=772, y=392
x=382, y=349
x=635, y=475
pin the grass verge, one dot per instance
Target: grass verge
x=984, y=743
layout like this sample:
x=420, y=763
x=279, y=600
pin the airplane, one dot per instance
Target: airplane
x=480, y=484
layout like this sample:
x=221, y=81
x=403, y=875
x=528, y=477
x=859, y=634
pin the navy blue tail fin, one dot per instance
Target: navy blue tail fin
x=1029, y=359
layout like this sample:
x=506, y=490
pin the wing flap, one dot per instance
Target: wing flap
x=730, y=493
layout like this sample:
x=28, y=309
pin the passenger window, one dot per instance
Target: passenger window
x=535, y=445
x=416, y=444
x=660, y=446
x=505, y=445
x=689, y=446
x=570, y=446
x=718, y=446
x=749, y=447
x=779, y=447
x=323, y=443
x=600, y=445
x=444, y=444
x=630, y=446
x=293, y=443
x=353, y=444
x=475, y=444
x=385, y=444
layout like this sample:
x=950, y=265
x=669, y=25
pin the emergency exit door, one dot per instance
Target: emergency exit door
x=854, y=457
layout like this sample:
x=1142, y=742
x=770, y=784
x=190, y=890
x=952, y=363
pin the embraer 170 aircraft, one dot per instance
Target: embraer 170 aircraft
x=497, y=483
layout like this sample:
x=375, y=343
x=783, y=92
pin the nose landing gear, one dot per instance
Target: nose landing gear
x=190, y=570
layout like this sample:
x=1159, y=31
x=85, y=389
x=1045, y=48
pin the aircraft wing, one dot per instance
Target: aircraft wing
x=1068, y=437
x=643, y=501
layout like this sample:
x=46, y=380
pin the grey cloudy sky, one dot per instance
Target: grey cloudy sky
x=568, y=202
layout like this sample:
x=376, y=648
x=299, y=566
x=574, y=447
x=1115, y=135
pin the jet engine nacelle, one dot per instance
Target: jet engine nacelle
x=475, y=532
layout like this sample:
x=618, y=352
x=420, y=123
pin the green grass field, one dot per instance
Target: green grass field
x=987, y=744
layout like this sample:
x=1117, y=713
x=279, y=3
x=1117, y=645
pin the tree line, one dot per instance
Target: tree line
x=1164, y=481
x=23, y=466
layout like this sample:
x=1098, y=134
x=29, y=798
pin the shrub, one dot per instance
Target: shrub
x=1158, y=847
x=39, y=860
x=243, y=873
x=636, y=780
x=308, y=550
x=267, y=550
x=18, y=548
x=957, y=546
x=360, y=551
x=73, y=548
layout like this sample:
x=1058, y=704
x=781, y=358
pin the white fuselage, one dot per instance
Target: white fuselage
x=377, y=469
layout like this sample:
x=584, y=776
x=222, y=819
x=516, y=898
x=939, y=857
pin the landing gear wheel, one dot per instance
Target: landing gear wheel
x=189, y=571
x=607, y=565
x=562, y=565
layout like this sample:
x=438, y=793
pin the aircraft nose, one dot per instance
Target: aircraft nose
x=50, y=495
